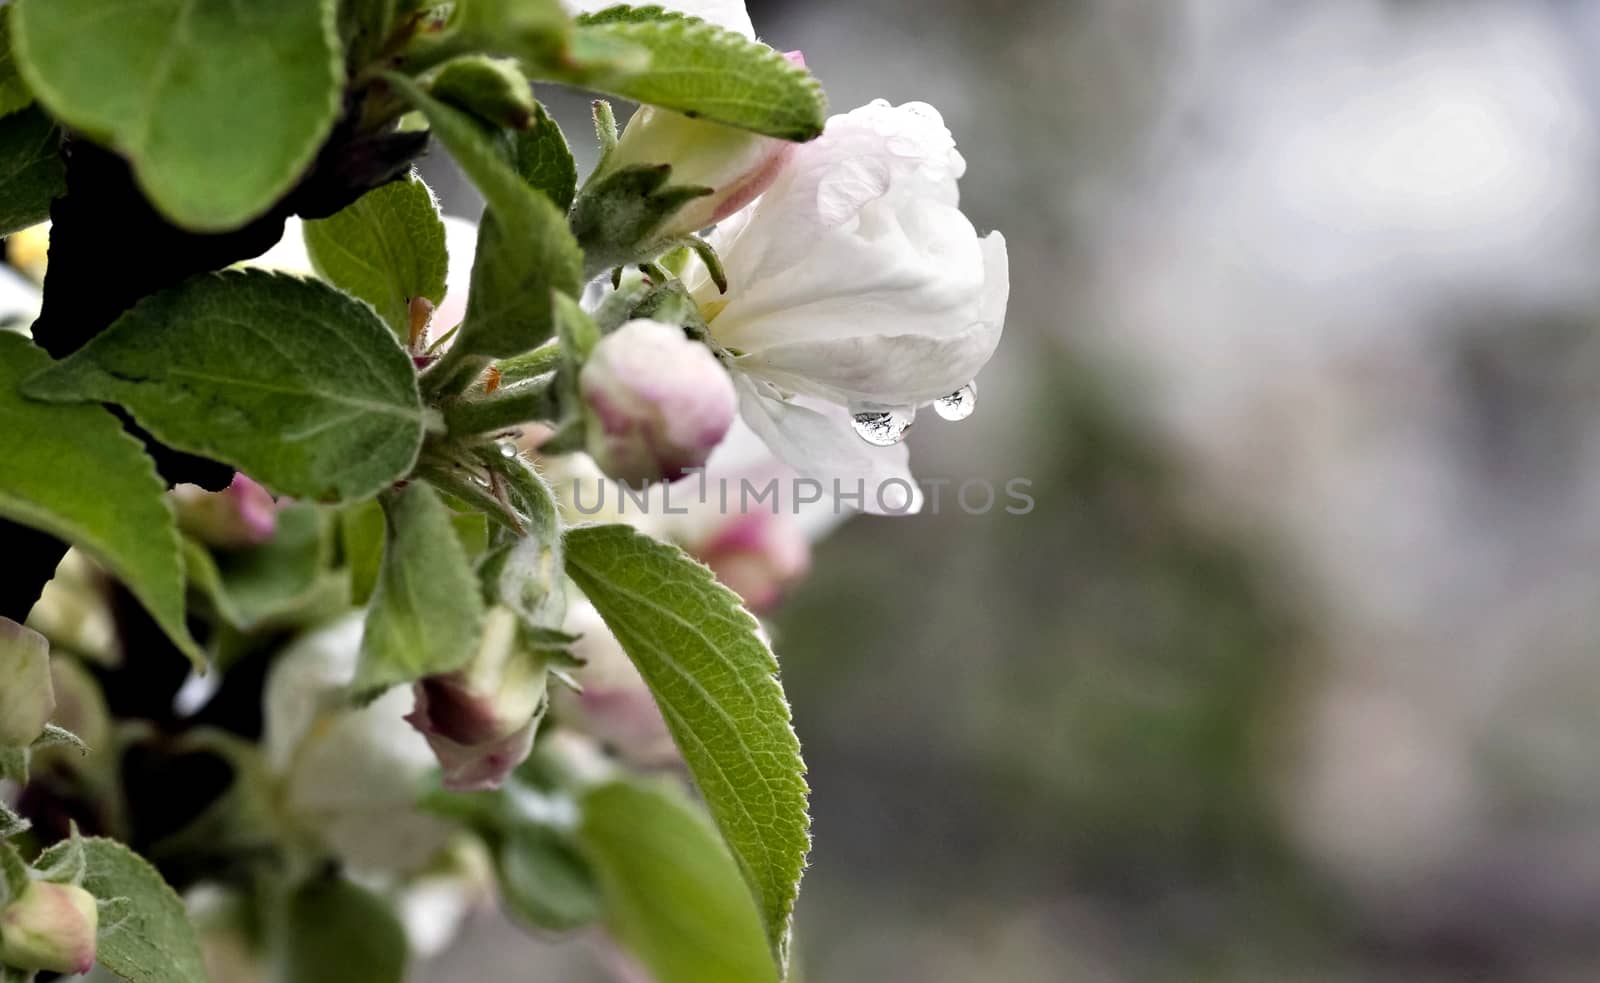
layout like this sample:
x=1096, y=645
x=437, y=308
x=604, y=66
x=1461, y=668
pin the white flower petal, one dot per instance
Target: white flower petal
x=820, y=443
x=856, y=280
x=912, y=270
x=875, y=153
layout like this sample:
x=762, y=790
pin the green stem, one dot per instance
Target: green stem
x=502, y=410
x=453, y=482
x=531, y=365
x=452, y=374
x=605, y=131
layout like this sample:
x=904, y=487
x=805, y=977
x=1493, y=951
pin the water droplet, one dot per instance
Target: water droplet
x=508, y=450
x=882, y=428
x=959, y=404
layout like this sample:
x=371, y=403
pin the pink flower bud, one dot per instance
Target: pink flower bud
x=657, y=403
x=50, y=927
x=479, y=720
x=243, y=514
x=27, y=698
x=758, y=555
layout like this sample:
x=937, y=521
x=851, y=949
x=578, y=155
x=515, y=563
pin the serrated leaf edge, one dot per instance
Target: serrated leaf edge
x=681, y=29
x=33, y=388
x=707, y=578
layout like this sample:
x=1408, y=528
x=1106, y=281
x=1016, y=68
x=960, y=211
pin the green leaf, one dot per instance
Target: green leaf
x=541, y=155
x=14, y=92
x=545, y=881
x=220, y=105
x=11, y=824
x=336, y=931
x=530, y=825
x=261, y=585
x=267, y=581
x=525, y=250
x=14, y=764
x=535, y=30
x=386, y=248
x=54, y=736
x=14, y=876
x=617, y=218
x=361, y=538
x=31, y=172
x=625, y=14
x=715, y=682
x=288, y=380
x=524, y=572
x=66, y=863
x=492, y=89
x=426, y=614
x=704, y=72
x=154, y=942
x=673, y=895
x=72, y=472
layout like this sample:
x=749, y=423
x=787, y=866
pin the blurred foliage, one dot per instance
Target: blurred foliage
x=1014, y=709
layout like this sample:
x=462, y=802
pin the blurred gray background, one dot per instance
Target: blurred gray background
x=1292, y=673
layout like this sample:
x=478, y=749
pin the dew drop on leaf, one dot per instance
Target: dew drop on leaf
x=959, y=404
x=882, y=428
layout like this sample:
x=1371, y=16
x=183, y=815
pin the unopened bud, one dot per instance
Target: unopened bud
x=243, y=514
x=50, y=927
x=479, y=720
x=735, y=164
x=758, y=555
x=656, y=403
x=27, y=698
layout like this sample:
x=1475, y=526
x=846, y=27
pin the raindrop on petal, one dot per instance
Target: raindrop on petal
x=882, y=428
x=959, y=404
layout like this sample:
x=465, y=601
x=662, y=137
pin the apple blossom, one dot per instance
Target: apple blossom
x=50, y=927
x=74, y=612
x=756, y=550
x=858, y=291
x=734, y=166
x=352, y=774
x=615, y=706
x=757, y=555
x=243, y=514
x=479, y=720
x=862, y=293
x=655, y=403
x=26, y=696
